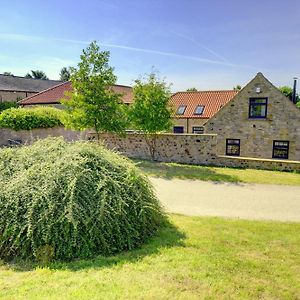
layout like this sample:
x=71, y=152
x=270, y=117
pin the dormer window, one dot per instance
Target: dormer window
x=181, y=110
x=199, y=110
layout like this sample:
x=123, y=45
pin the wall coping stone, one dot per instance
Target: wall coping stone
x=285, y=161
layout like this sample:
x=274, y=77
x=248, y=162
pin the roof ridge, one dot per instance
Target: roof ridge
x=205, y=91
x=42, y=92
x=23, y=77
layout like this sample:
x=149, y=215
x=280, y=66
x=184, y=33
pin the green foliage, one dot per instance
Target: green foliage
x=30, y=118
x=193, y=89
x=7, y=105
x=93, y=103
x=78, y=198
x=288, y=92
x=151, y=111
x=238, y=87
x=65, y=74
x=37, y=74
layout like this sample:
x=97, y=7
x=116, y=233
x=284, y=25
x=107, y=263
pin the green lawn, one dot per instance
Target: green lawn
x=174, y=170
x=196, y=258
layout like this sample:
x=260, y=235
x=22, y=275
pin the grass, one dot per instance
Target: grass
x=174, y=170
x=195, y=258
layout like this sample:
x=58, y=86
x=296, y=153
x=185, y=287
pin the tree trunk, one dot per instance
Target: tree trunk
x=151, y=142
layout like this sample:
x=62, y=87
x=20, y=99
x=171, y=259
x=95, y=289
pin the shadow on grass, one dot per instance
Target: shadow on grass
x=167, y=237
x=181, y=171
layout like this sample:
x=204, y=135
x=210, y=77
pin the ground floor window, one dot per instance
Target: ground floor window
x=233, y=147
x=198, y=129
x=281, y=149
x=178, y=129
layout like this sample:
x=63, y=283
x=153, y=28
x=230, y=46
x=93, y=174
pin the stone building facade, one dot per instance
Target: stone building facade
x=259, y=122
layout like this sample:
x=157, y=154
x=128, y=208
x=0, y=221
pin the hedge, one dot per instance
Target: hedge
x=30, y=118
x=7, y=105
x=72, y=200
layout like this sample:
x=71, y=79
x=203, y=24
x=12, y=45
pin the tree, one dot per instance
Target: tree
x=151, y=111
x=65, y=74
x=8, y=74
x=93, y=103
x=37, y=74
x=193, y=89
x=288, y=92
x=237, y=87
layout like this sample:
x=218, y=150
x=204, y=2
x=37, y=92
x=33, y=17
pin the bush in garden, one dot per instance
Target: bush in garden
x=72, y=200
x=7, y=105
x=30, y=118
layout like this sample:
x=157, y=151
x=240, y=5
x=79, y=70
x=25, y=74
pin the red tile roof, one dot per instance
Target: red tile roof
x=56, y=93
x=211, y=100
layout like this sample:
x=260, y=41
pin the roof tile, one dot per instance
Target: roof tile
x=211, y=100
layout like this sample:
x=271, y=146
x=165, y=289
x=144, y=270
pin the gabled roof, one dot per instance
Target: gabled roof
x=55, y=94
x=211, y=100
x=22, y=84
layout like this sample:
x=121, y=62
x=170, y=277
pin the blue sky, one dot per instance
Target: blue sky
x=213, y=44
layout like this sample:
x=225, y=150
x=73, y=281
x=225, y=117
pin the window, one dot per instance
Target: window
x=199, y=110
x=181, y=110
x=281, y=149
x=198, y=129
x=233, y=147
x=178, y=129
x=258, y=108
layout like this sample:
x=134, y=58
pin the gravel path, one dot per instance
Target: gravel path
x=245, y=201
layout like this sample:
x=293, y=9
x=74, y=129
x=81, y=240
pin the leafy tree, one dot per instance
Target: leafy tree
x=65, y=74
x=193, y=89
x=237, y=87
x=37, y=74
x=288, y=92
x=8, y=74
x=151, y=111
x=93, y=103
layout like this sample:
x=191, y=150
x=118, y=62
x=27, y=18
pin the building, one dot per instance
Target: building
x=54, y=95
x=15, y=88
x=258, y=122
x=194, y=109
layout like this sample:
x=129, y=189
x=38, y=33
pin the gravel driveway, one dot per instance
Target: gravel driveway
x=245, y=201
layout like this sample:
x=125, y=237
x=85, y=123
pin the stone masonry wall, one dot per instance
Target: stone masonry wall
x=257, y=135
x=188, y=124
x=10, y=137
x=181, y=148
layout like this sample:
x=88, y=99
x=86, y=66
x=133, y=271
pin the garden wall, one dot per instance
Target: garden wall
x=191, y=149
x=10, y=137
x=181, y=148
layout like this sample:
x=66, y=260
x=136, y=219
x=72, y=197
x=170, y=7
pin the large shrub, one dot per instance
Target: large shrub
x=30, y=118
x=72, y=200
x=7, y=105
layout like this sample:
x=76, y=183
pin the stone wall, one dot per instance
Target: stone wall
x=10, y=137
x=257, y=163
x=181, y=148
x=257, y=135
x=188, y=124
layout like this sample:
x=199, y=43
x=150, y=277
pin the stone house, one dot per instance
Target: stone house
x=194, y=109
x=53, y=95
x=15, y=88
x=258, y=122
